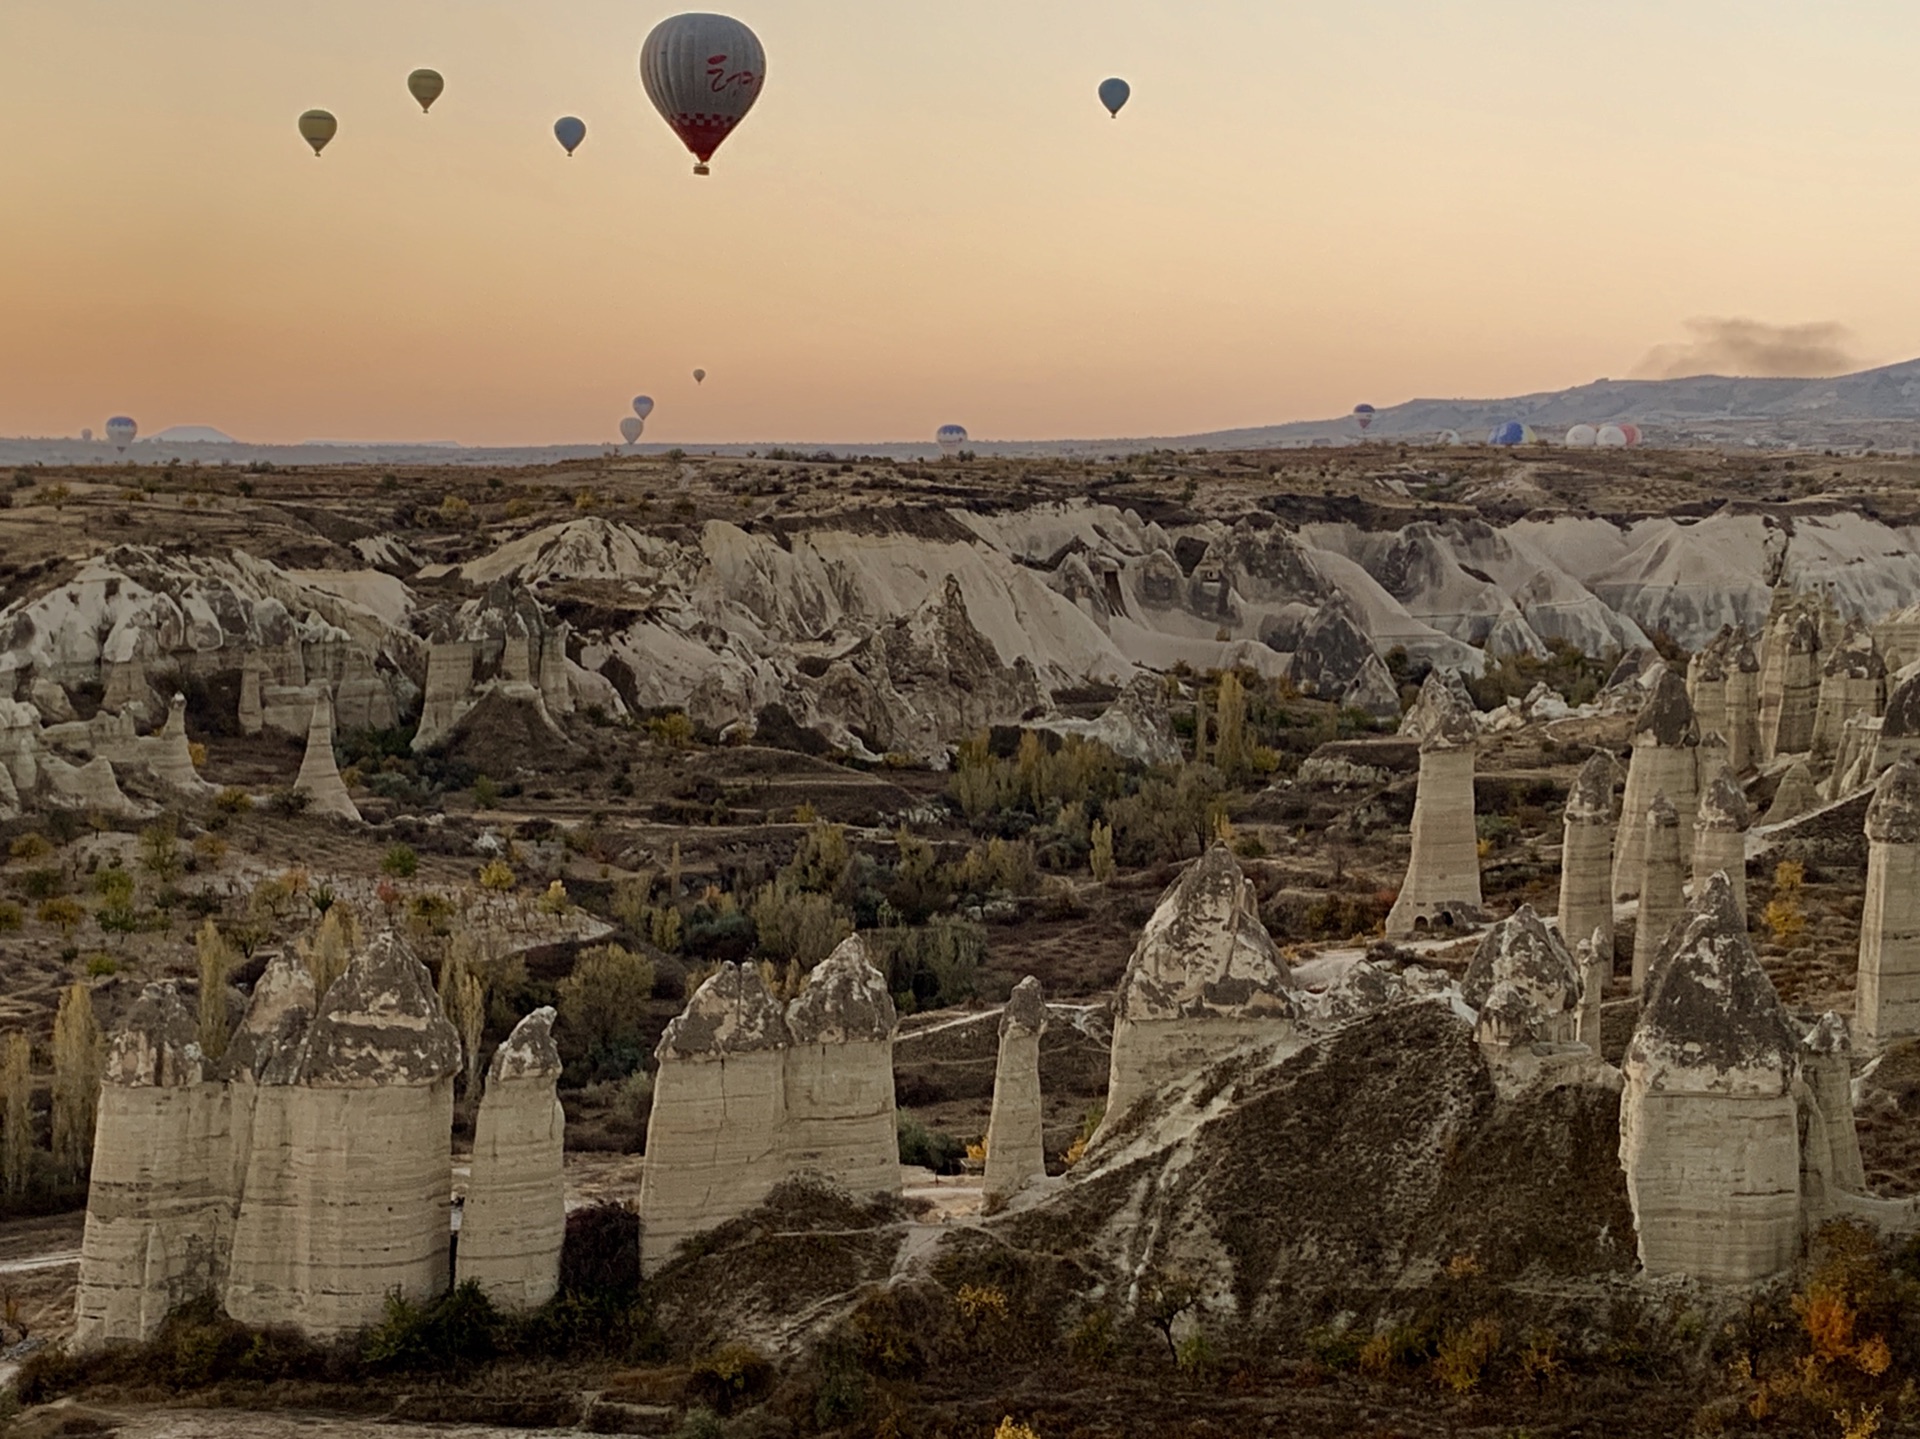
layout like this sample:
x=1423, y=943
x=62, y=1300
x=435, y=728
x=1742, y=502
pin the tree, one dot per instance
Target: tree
x=1101, y=861
x=463, y=995
x=603, y=1006
x=77, y=1055
x=16, y=1113
x=328, y=952
x=1230, y=739
x=215, y=961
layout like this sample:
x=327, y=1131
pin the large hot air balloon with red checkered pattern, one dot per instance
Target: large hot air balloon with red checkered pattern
x=703, y=73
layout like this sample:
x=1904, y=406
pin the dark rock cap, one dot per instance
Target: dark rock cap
x=1523, y=952
x=1746, y=658
x=278, y=1016
x=1894, y=816
x=1205, y=951
x=1856, y=656
x=528, y=1053
x=1831, y=1036
x=1026, y=1010
x=380, y=1023
x=1661, y=814
x=159, y=1045
x=1724, y=807
x=1709, y=1004
x=1591, y=799
x=845, y=999
x=1667, y=716
x=1903, y=711
x=1443, y=716
x=731, y=1013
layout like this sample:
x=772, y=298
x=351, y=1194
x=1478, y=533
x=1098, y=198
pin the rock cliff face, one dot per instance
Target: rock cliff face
x=1887, y=996
x=1709, y=1134
x=502, y=642
x=1204, y=980
x=1442, y=886
x=748, y=1095
x=1016, y=1156
x=515, y=1218
x=1853, y=686
x=1586, y=857
x=1665, y=741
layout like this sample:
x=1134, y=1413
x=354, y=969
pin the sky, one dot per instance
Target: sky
x=929, y=217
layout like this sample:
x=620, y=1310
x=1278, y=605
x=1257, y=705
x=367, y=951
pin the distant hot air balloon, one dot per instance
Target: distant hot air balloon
x=699, y=377
x=1582, y=437
x=571, y=132
x=703, y=73
x=1509, y=434
x=951, y=439
x=122, y=432
x=643, y=406
x=1611, y=437
x=1632, y=432
x=632, y=429
x=318, y=128
x=1114, y=94
x=1447, y=437
x=426, y=86
x=1363, y=416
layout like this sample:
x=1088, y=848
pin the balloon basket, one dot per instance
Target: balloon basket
x=701, y=170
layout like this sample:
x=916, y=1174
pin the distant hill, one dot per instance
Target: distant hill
x=192, y=435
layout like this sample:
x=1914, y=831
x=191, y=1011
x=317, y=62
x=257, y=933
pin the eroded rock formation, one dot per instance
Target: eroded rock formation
x=1443, y=874
x=1665, y=741
x=1887, y=994
x=1205, y=979
x=1586, y=858
x=1016, y=1155
x=1720, y=838
x=319, y=778
x=515, y=1217
x=1662, y=885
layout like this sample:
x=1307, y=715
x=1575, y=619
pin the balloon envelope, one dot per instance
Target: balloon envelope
x=643, y=405
x=1632, y=432
x=1363, y=415
x=1114, y=94
x=318, y=128
x=703, y=73
x=1448, y=437
x=1611, y=437
x=951, y=438
x=571, y=132
x=1582, y=437
x=699, y=377
x=426, y=86
x=1511, y=433
x=121, y=432
x=632, y=429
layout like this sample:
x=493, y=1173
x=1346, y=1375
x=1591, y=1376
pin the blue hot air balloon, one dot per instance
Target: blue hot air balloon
x=951, y=439
x=643, y=406
x=1363, y=416
x=1510, y=434
x=1114, y=94
x=121, y=432
x=571, y=132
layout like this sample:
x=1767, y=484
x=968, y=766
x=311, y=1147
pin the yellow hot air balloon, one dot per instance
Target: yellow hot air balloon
x=426, y=86
x=318, y=128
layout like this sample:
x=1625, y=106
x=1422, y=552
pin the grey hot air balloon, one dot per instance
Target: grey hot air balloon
x=703, y=73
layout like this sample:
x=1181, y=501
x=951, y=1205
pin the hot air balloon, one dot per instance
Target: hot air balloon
x=426, y=86
x=632, y=429
x=1114, y=94
x=1611, y=437
x=121, y=432
x=1363, y=416
x=703, y=73
x=1582, y=437
x=571, y=132
x=951, y=439
x=1447, y=437
x=1509, y=434
x=318, y=128
x=643, y=406
x=699, y=377
x=1632, y=432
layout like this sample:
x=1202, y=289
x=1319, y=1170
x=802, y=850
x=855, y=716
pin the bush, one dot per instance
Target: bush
x=733, y=1377
x=455, y=1331
x=400, y=862
x=929, y=1148
x=603, y=1009
x=11, y=916
x=797, y=927
x=233, y=800
x=289, y=803
x=933, y=966
x=601, y=1253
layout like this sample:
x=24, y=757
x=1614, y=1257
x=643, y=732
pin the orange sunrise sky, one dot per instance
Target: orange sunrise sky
x=929, y=217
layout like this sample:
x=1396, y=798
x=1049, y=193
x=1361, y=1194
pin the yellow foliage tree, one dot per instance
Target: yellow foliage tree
x=77, y=1054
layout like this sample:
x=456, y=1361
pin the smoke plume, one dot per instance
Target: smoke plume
x=1752, y=348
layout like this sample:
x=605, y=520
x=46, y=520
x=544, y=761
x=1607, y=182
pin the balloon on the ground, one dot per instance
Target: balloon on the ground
x=1510, y=434
x=121, y=432
x=632, y=429
x=643, y=405
x=1363, y=416
x=699, y=377
x=703, y=74
x=1632, y=432
x=571, y=132
x=1447, y=437
x=951, y=439
x=1582, y=437
x=318, y=128
x=1611, y=437
x=426, y=86
x=1114, y=94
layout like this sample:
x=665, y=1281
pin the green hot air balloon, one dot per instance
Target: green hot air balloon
x=426, y=86
x=318, y=128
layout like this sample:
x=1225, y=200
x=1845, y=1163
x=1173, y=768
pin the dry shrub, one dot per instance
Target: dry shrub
x=1464, y=1354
